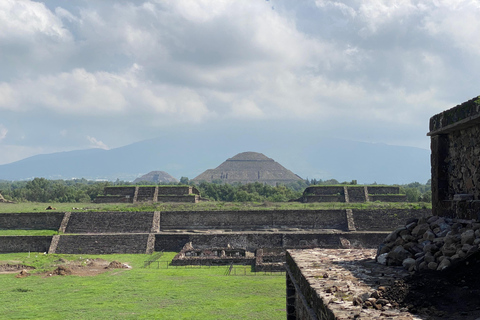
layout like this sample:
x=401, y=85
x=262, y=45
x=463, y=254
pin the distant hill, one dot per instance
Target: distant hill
x=249, y=167
x=181, y=155
x=156, y=177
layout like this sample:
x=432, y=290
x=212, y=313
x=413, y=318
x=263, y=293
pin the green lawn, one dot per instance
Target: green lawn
x=138, y=293
x=206, y=206
x=28, y=232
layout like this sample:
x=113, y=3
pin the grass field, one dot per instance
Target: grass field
x=137, y=293
x=206, y=206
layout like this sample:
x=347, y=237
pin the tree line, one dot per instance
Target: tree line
x=82, y=190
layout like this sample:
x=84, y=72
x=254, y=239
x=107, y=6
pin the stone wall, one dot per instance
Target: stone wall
x=268, y=229
x=31, y=221
x=388, y=197
x=119, y=191
x=113, y=199
x=352, y=194
x=110, y=222
x=248, y=220
x=132, y=194
x=455, y=146
x=356, y=194
x=146, y=194
x=324, y=190
x=177, y=190
x=24, y=243
x=251, y=241
x=102, y=244
x=382, y=190
x=182, y=198
x=387, y=219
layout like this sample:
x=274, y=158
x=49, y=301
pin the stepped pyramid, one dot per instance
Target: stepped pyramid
x=249, y=167
x=156, y=177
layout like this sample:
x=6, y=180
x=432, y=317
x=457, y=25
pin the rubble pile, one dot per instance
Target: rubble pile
x=433, y=243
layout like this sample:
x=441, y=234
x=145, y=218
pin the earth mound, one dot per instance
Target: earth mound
x=62, y=271
x=116, y=265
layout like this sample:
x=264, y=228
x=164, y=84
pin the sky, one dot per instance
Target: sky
x=85, y=74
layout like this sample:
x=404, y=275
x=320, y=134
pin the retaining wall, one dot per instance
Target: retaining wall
x=102, y=244
x=110, y=222
x=387, y=219
x=120, y=191
x=31, y=221
x=252, y=241
x=388, y=197
x=24, y=243
x=245, y=220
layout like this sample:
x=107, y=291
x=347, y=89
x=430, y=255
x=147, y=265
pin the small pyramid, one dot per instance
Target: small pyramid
x=156, y=177
x=249, y=167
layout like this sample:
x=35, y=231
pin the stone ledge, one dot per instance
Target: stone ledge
x=328, y=280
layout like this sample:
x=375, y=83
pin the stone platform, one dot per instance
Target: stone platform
x=325, y=283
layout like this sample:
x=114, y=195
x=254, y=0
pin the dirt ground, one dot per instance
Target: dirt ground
x=450, y=294
x=86, y=267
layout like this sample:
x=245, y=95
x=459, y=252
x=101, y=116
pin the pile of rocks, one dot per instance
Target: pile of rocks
x=432, y=243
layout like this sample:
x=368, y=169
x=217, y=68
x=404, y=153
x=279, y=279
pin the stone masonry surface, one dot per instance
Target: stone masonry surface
x=171, y=230
x=103, y=244
x=110, y=222
x=352, y=194
x=31, y=220
x=455, y=159
x=327, y=284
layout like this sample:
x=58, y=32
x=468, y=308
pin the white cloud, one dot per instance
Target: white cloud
x=3, y=132
x=94, y=143
x=246, y=109
x=147, y=66
x=24, y=18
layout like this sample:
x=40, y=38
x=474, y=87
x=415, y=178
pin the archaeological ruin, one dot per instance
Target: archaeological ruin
x=455, y=136
x=352, y=194
x=146, y=232
x=134, y=194
x=427, y=265
x=249, y=167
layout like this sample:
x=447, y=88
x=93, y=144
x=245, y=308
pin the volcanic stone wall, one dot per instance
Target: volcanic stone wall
x=245, y=220
x=177, y=190
x=352, y=194
x=455, y=159
x=110, y=222
x=24, y=243
x=31, y=221
x=386, y=219
x=253, y=240
x=103, y=244
x=120, y=191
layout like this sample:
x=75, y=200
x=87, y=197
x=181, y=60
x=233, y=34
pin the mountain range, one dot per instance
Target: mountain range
x=186, y=155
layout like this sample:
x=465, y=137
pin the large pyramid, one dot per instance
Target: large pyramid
x=249, y=167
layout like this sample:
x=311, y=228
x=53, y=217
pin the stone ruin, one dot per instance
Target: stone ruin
x=455, y=145
x=249, y=167
x=134, y=194
x=213, y=256
x=425, y=269
x=352, y=194
x=263, y=259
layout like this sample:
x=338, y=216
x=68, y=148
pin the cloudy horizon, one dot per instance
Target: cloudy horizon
x=103, y=74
